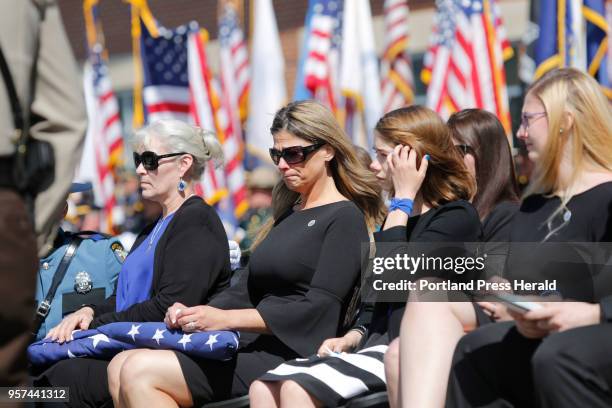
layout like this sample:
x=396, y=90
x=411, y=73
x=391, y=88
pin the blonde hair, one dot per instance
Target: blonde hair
x=571, y=92
x=313, y=122
x=177, y=136
x=422, y=129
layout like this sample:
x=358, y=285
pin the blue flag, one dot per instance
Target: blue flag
x=560, y=42
x=110, y=339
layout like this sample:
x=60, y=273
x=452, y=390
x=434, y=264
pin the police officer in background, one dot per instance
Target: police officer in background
x=45, y=77
x=89, y=276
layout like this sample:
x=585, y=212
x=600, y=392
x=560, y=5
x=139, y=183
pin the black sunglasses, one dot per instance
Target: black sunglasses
x=293, y=154
x=150, y=160
x=464, y=149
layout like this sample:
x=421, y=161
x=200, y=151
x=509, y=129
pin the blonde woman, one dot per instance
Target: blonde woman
x=301, y=278
x=558, y=355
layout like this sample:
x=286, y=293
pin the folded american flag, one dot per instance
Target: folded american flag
x=113, y=338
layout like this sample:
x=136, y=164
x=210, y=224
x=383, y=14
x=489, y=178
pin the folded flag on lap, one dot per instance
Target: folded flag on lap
x=113, y=338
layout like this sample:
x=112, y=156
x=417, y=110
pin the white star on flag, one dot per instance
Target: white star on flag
x=212, y=339
x=98, y=338
x=134, y=331
x=185, y=339
x=159, y=335
x=70, y=355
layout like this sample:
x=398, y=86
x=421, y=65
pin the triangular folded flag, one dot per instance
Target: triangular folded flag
x=113, y=338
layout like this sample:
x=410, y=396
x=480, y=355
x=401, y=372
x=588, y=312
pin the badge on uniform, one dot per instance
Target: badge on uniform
x=82, y=282
x=119, y=252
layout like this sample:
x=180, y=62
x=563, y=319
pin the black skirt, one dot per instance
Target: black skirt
x=209, y=380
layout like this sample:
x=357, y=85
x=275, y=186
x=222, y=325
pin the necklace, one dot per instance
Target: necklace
x=156, y=230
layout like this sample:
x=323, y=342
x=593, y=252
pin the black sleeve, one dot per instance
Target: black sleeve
x=236, y=296
x=195, y=259
x=302, y=322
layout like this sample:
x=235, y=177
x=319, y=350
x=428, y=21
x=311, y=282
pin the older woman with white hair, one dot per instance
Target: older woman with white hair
x=182, y=257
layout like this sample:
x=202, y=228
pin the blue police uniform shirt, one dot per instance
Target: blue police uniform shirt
x=99, y=256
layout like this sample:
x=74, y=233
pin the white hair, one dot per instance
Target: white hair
x=178, y=136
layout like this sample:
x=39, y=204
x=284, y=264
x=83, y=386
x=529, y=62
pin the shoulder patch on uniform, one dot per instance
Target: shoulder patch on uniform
x=119, y=251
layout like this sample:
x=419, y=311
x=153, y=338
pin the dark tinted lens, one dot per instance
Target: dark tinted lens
x=149, y=160
x=137, y=160
x=275, y=155
x=293, y=155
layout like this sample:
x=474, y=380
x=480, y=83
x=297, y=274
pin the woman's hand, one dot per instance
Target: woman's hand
x=172, y=315
x=202, y=318
x=346, y=343
x=81, y=319
x=406, y=177
x=496, y=310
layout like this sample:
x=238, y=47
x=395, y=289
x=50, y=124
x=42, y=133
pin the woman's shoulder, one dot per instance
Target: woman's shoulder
x=458, y=206
x=196, y=211
x=496, y=226
x=502, y=211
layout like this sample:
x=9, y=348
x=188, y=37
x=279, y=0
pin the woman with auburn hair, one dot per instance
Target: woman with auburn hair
x=301, y=277
x=559, y=354
x=480, y=138
x=430, y=188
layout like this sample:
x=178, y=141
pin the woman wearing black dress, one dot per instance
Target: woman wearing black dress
x=560, y=354
x=301, y=276
x=415, y=160
x=430, y=330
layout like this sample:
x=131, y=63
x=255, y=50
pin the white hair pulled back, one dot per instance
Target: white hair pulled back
x=177, y=136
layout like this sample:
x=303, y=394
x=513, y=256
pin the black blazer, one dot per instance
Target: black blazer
x=191, y=265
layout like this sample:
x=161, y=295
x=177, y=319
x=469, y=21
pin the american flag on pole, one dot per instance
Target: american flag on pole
x=104, y=141
x=464, y=66
x=234, y=76
x=323, y=39
x=396, y=65
x=165, y=80
x=204, y=106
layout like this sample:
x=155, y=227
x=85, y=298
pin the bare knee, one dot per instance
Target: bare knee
x=136, y=371
x=113, y=370
x=293, y=393
x=264, y=394
x=392, y=353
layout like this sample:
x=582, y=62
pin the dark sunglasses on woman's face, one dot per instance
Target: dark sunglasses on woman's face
x=464, y=149
x=150, y=160
x=293, y=154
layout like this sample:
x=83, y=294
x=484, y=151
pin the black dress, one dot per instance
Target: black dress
x=300, y=279
x=496, y=366
x=337, y=378
x=191, y=266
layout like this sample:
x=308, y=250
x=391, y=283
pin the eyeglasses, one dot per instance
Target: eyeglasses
x=293, y=154
x=526, y=117
x=464, y=149
x=150, y=160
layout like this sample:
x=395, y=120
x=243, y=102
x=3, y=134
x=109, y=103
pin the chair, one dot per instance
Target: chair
x=375, y=400
x=240, y=402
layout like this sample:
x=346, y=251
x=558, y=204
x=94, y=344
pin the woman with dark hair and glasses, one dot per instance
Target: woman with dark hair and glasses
x=481, y=140
x=183, y=257
x=301, y=278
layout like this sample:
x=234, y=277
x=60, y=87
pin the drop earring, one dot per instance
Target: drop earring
x=181, y=185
